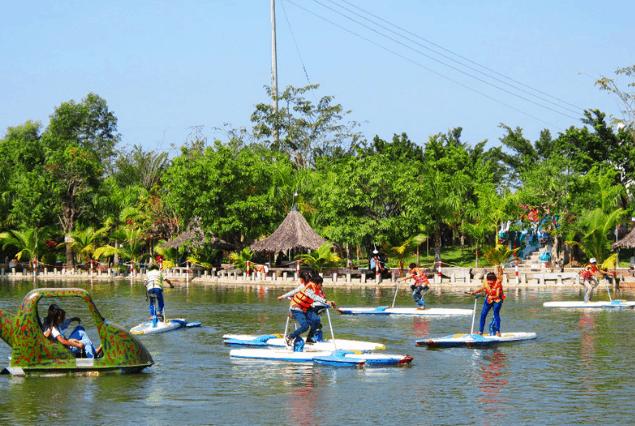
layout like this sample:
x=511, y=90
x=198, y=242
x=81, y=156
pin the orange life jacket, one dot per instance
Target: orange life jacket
x=419, y=277
x=301, y=300
x=495, y=292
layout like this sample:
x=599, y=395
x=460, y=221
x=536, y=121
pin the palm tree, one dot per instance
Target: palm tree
x=403, y=250
x=85, y=241
x=499, y=255
x=595, y=226
x=320, y=258
x=240, y=258
x=129, y=249
x=29, y=242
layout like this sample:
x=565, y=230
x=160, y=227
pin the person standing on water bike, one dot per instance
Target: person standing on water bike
x=154, y=288
x=303, y=299
x=590, y=280
x=420, y=285
x=494, y=296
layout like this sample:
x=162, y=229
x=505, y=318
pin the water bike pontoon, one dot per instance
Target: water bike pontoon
x=150, y=327
x=34, y=354
x=337, y=358
x=391, y=310
x=387, y=310
x=575, y=304
x=471, y=340
x=474, y=340
x=277, y=341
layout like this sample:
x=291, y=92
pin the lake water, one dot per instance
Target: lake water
x=577, y=371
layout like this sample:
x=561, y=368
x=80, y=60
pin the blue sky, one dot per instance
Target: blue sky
x=165, y=66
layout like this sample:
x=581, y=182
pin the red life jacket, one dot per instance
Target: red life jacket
x=301, y=300
x=589, y=271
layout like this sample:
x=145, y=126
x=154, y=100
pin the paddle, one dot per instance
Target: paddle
x=395, y=296
x=473, y=316
x=608, y=290
x=286, y=326
x=328, y=315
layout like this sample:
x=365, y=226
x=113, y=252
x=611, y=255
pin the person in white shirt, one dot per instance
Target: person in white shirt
x=154, y=287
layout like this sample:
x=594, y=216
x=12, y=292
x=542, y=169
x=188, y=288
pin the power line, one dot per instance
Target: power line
x=295, y=42
x=404, y=30
x=502, y=89
x=419, y=64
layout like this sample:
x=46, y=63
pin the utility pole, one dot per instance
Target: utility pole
x=274, y=70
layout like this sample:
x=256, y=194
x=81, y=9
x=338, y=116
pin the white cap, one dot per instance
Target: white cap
x=592, y=260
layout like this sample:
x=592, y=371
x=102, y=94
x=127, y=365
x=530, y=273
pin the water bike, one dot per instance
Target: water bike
x=391, y=310
x=333, y=357
x=34, y=354
x=387, y=310
x=337, y=358
x=474, y=340
x=151, y=327
x=613, y=304
x=576, y=304
x=277, y=341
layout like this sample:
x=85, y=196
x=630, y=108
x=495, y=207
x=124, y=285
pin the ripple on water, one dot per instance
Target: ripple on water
x=577, y=371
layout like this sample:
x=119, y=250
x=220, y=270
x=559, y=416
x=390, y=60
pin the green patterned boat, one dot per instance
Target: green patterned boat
x=34, y=354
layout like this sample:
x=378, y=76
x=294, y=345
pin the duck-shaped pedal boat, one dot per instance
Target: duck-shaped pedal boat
x=34, y=354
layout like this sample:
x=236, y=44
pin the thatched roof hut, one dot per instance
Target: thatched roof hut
x=627, y=242
x=293, y=233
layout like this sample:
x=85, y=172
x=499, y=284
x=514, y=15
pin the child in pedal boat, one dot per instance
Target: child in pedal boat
x=78, y=342
x=304, y=299
x=494, y=296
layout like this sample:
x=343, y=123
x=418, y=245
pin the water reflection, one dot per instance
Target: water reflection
x=493, y=374
x=303, y=399
x=420, y=327
x=586, y=324
x=577, y=371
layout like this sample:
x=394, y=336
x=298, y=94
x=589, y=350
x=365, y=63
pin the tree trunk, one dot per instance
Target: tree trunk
x=69, y=253
x=476, y=257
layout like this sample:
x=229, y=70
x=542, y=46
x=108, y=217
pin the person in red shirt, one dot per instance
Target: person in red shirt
x=420, y=285
x=590, y=278
x=494, y=296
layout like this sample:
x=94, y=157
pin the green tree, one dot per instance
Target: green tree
x=139, y=167
x=85, y=241
x=303, y=129
x=230, y=187
x=130, y=246
x=79, y=144
x=29, y=242
x=25, y=191
x=321, y=258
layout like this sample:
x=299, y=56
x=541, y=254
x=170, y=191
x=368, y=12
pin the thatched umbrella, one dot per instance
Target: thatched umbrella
x=627, y=242
x=293, y=233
